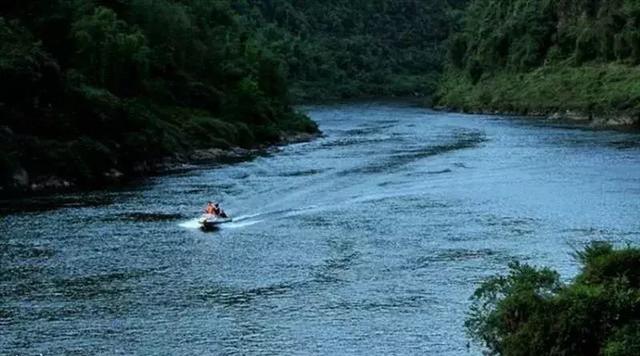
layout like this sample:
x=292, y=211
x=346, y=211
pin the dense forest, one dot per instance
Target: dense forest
x=345, y=49
x=530, y=311
x=90, y=89
x=541, y=56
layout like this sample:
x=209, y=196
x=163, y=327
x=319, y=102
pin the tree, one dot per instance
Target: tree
x=110, y=53
x=530, y=312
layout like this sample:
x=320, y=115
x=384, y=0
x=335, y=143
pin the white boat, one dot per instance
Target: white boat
x=212, y=222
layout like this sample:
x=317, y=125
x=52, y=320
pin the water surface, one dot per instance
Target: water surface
x=369, y=240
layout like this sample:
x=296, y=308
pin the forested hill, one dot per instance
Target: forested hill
x=354, y=48
x=91, y=89
x=542, y=56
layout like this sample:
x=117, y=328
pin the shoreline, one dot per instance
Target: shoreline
x=46, y=186
x=599, y=95
x=51, y=185
x=610, y=121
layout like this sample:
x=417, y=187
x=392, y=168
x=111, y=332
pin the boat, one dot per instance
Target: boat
x=209, y=222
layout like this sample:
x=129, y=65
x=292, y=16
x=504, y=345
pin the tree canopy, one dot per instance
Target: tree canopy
x=88, y=86
x=530, y=311
x=545, y=56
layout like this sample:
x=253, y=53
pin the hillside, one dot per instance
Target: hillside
x=90, y=90
x=344, y=49
x=576, y=59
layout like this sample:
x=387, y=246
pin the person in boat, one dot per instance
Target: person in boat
x=212, y=209
x=220, y=212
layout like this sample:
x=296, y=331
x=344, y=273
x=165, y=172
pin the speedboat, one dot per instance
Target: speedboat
x=209, y=222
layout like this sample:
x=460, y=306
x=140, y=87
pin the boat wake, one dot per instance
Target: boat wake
x=252, y=219
x=239, y=222
x=190, y=224
x=238, y=225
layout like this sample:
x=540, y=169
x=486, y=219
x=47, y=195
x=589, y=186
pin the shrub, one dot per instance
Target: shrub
x=529, y=312
x=624, y=341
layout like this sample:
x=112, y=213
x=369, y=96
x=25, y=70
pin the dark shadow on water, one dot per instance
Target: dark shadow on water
x=147, y=217
x=393, y=304
x=301, y=173
x=448, y=256
x=628, y=144
x=400, y=158
x=354, y=141
x=370, y=129
x=443, y=171
x=46, y=203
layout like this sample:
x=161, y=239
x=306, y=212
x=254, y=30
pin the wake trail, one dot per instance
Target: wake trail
x=190, y=224
x=253, y=219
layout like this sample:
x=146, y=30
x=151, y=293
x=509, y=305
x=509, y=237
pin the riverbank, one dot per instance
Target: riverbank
x=25, y=185
x=113, y=101
x=598, y=95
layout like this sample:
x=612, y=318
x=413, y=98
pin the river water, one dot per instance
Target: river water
x=369, y=240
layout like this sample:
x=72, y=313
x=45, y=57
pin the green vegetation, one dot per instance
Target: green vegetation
x=603, y=89
x=90, y=86
x=542, y=56
x=531, y=312
x=354, y=48
x=93, y=86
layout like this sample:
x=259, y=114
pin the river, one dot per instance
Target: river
x=369, y=240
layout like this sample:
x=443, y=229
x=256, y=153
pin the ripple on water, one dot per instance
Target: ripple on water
x=625, y=144
x=407, y=303
x=349, y=141
x=230, y=296
x=448, y=256
x=516, y=226
x=98, y=285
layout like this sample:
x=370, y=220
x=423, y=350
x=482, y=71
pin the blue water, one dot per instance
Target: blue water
x=369, y=240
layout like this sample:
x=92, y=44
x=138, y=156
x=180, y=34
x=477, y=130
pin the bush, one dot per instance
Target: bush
x=529, y=312
x=624, y=342
x=111, y=53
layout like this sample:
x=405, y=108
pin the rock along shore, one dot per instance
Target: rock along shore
x=23, y=184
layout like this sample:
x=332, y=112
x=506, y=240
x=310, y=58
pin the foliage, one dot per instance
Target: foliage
x=343, y=49
x=544, y=55
x=530, y=312
x=604, y=89
x=88, y=86
x=116, y=57
x=140, y=79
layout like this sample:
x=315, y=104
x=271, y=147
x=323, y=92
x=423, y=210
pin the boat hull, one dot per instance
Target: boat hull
x=209, y=223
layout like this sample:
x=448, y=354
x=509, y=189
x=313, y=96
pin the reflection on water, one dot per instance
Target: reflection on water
x=368, y=240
